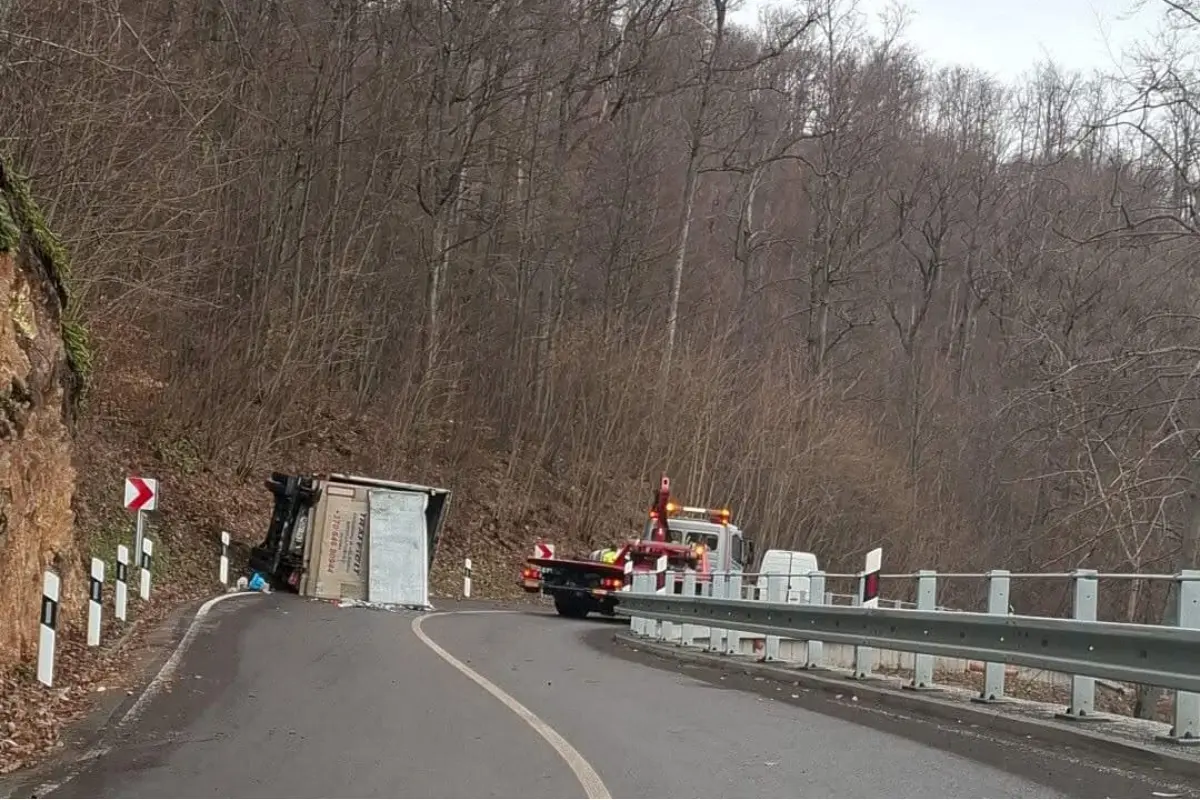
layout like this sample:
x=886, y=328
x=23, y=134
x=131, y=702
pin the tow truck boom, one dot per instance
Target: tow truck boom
x=662, y=506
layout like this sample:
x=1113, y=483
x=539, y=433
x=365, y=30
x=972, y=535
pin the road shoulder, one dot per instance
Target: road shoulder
x=1072, y=758
x=87, y=738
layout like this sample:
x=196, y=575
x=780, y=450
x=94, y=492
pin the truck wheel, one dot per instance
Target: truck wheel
x=569, y=607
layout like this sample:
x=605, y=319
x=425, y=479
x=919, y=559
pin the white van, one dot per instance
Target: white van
x=796, y=565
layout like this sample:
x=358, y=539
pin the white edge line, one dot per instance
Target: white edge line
x=588, y=778
x=167, y=670
x=165, y=673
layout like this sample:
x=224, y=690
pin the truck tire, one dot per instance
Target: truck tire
x=569, y=607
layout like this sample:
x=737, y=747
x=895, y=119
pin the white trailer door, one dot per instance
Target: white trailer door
x=398, y=563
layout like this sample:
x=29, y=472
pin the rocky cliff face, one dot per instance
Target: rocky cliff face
x=41, y=371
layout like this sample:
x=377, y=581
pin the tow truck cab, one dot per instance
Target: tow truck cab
x=725, y=544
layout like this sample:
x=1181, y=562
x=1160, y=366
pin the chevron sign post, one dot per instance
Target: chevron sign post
x=141, y=495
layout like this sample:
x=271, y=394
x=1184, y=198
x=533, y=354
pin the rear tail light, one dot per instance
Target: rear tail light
x=531, y=573
x=611, y=583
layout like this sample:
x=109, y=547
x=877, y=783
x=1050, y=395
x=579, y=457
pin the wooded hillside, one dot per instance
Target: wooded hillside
x=860, y=299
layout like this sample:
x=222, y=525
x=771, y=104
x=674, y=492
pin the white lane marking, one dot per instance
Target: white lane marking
x=165, y=673
x=588, y=778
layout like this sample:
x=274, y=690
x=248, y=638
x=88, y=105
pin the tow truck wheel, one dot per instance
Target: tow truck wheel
x=569, y=607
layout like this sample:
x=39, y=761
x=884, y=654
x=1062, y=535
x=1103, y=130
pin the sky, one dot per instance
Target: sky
x=1008, y=37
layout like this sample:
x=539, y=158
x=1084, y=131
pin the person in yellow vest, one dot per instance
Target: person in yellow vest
x=609, y=556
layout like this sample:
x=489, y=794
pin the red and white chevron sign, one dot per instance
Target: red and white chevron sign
x=543, y=550
x=141, y=494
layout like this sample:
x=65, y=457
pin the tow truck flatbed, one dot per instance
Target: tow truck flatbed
x=598, y=566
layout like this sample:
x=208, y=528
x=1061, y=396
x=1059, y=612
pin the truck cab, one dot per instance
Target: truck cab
x=725, y=544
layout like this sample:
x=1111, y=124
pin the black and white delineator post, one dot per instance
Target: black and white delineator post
x=144, y=572
x=122, y=592
x=95, y=598
x=868, y=597
x=48, y=633
x=467, y=578
x=225, y=558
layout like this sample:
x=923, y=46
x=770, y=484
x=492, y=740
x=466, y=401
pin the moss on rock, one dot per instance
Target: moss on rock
x=20, y=214
x=10, y=232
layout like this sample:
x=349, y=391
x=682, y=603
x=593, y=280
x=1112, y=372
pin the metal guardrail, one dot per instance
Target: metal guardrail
x=1151, y=654
x=1156, y=655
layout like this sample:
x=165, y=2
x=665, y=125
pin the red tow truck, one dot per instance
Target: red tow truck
x=701, y=539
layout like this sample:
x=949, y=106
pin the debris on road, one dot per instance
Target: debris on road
x=351, y=603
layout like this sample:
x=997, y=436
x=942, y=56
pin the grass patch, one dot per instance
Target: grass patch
x=182, y=454
x=103, y=543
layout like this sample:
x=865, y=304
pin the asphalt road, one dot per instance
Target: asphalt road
x=283, y=697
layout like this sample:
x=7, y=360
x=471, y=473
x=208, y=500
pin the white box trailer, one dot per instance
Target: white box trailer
x=347, y=537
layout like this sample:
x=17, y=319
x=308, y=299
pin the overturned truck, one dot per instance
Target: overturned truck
x=346, y=537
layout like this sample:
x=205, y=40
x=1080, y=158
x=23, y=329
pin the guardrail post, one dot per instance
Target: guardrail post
x=716, y=636
x=634, y=586
x=704, y=589
x=687, y=631
x=641, y=584
x=733, y=591
x=650, y=586
x=666, y=629
x=864, y=657
x=993, y=674
x=1083, y=688
x=926, y=601
x=814, y=650
x=1185, y=722
x=776, y=593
